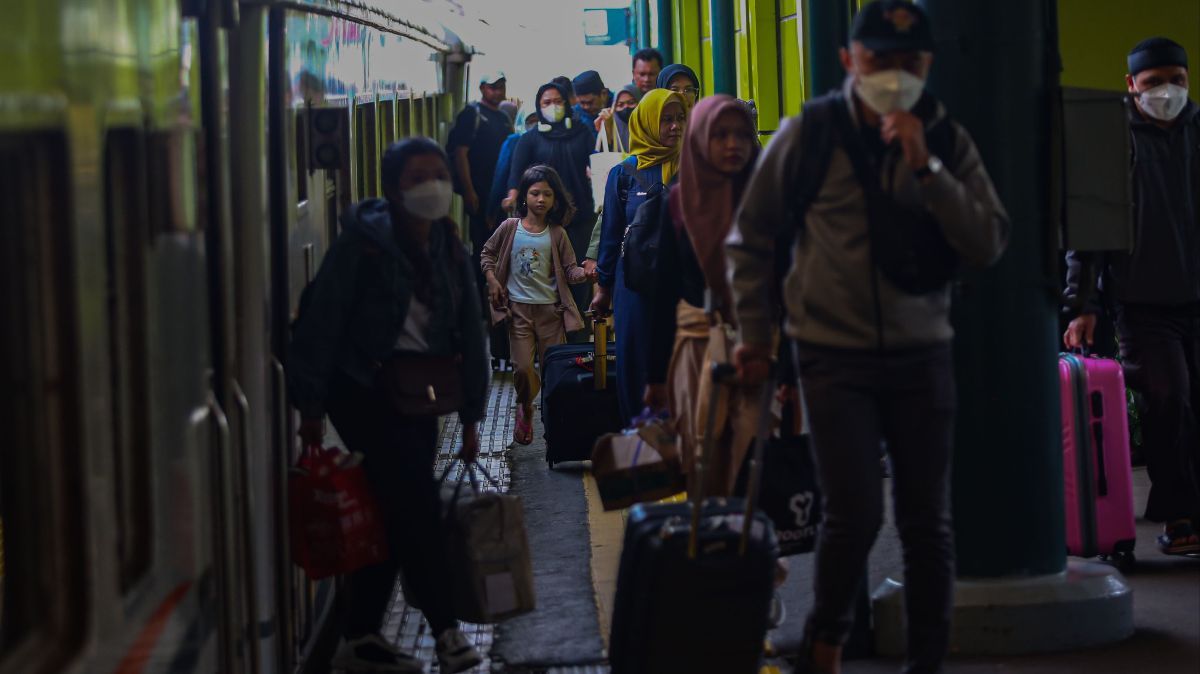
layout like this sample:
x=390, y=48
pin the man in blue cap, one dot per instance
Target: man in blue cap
x=870, y=332
x=1153, y=291
x=591, y=97
x=474, y=146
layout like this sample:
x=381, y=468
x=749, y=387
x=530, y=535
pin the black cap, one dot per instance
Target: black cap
x=587, y=82
x=1156, y=52
x=892, y=25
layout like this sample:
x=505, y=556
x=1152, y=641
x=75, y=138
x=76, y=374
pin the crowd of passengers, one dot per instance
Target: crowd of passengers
x=755, y=265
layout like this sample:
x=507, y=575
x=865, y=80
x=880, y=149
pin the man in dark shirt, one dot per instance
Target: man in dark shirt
x=647, y=63
x=1153, y=290
x=475, y=140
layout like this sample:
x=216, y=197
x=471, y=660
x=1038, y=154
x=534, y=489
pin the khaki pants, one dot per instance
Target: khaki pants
x=531, y=326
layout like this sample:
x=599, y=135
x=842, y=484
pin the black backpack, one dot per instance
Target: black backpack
x=643, y=236
x=907, y=244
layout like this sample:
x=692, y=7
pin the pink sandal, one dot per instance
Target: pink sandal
x=523, y=429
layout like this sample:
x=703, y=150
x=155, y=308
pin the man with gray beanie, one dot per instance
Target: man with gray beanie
x=1153, y=290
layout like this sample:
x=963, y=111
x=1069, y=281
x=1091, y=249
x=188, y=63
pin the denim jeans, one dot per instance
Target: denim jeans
x=856, y=400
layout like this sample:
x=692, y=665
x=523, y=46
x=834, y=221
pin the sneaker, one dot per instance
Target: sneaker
x=1179, y=538
x=455, y=653
x=371, y=653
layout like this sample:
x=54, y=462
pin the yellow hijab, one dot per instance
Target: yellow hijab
x=644, y=133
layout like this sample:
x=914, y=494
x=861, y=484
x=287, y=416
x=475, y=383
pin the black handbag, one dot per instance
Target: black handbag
x=907, y=244
x=423, y=384
x=790, y=492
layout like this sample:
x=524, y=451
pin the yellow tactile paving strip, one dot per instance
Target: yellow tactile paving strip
x=606, y=530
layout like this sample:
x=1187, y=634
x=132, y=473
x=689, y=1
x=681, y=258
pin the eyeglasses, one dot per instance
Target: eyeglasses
x=686, y=91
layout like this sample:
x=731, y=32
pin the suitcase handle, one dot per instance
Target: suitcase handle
x=1098, y=441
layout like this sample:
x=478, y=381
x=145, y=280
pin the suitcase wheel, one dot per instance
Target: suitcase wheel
x=1125, y=561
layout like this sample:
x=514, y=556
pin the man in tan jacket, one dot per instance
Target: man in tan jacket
x=868, y=310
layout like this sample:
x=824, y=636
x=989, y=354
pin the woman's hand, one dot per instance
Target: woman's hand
x=589, y=268
x=604, y=116
x=656, y=397
x=601, y=302
x=497, y=294
x=470, y=443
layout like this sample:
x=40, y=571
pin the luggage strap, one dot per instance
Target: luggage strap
x=723, y=375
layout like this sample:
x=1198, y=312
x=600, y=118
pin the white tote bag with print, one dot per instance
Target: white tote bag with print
x=603, y=160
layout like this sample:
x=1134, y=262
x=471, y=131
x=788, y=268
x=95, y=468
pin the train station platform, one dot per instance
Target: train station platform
x=576, y=546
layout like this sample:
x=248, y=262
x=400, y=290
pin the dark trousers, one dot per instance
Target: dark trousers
x=398, y=458
x=856, y=400
x=1160, y=349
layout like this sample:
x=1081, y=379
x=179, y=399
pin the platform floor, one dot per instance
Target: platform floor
x=1166, y=589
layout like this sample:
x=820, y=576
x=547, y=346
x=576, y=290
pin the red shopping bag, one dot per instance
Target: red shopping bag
x=336, y=525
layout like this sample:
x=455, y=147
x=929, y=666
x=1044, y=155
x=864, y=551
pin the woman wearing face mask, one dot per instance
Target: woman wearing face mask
x=683, y=81
x=623, y=105
x=392, y=306
x=655, y=133
x=561, y=142
x=717, y=157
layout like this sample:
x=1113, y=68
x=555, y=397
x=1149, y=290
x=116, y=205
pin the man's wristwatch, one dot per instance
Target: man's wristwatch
x=933, y=167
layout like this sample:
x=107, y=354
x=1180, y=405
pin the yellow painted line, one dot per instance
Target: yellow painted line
x=605, y=530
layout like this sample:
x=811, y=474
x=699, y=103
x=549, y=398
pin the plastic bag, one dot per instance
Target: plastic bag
x=336, y=524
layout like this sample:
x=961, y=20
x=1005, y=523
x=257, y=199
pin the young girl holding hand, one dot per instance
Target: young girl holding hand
x=528, y=263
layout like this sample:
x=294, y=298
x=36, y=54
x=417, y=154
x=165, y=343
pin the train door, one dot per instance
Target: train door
x=43, y=571
x=255, y=372
x=237, y=634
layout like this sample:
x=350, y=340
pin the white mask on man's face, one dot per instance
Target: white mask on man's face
x=887, y=91
x=429, y=201
x=1164, y=102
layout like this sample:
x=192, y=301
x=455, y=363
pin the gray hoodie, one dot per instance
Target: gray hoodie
x=829, y=288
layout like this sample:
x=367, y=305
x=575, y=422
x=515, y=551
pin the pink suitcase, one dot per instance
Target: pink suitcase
x=1097, y=474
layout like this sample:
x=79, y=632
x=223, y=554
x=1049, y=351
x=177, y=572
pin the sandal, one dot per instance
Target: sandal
x=523, y=429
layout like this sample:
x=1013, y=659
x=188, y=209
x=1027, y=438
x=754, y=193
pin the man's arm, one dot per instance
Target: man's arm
x=462, y=162
x=766, y=213
x=965, y=204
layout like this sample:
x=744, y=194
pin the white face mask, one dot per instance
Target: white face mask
x=553, y=113
x=889, y=90
x=429, y=201
x=1164, y=102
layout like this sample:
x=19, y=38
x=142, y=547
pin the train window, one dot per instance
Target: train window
x=364, y=128
x=387, y=123
x=301, y=157
x=126, y=237
x=44, y=547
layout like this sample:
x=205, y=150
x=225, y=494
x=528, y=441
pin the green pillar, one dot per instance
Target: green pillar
x=827, y=25
x=996, y=70
x=642, y=23
x=723, y=47
x=666, y=41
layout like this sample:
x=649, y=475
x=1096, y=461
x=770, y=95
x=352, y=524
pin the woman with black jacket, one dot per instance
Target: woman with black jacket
x=563, y=143
x=393, y=310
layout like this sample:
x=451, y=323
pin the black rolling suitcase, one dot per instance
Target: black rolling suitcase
x=695, y=581
x=575, y=410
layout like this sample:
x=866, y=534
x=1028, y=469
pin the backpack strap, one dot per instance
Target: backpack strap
x=816, y=148
x=626, y=178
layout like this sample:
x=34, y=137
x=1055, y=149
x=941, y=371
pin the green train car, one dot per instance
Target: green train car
x=172, y=172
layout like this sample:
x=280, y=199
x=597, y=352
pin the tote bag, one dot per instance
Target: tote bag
x=603, y=160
